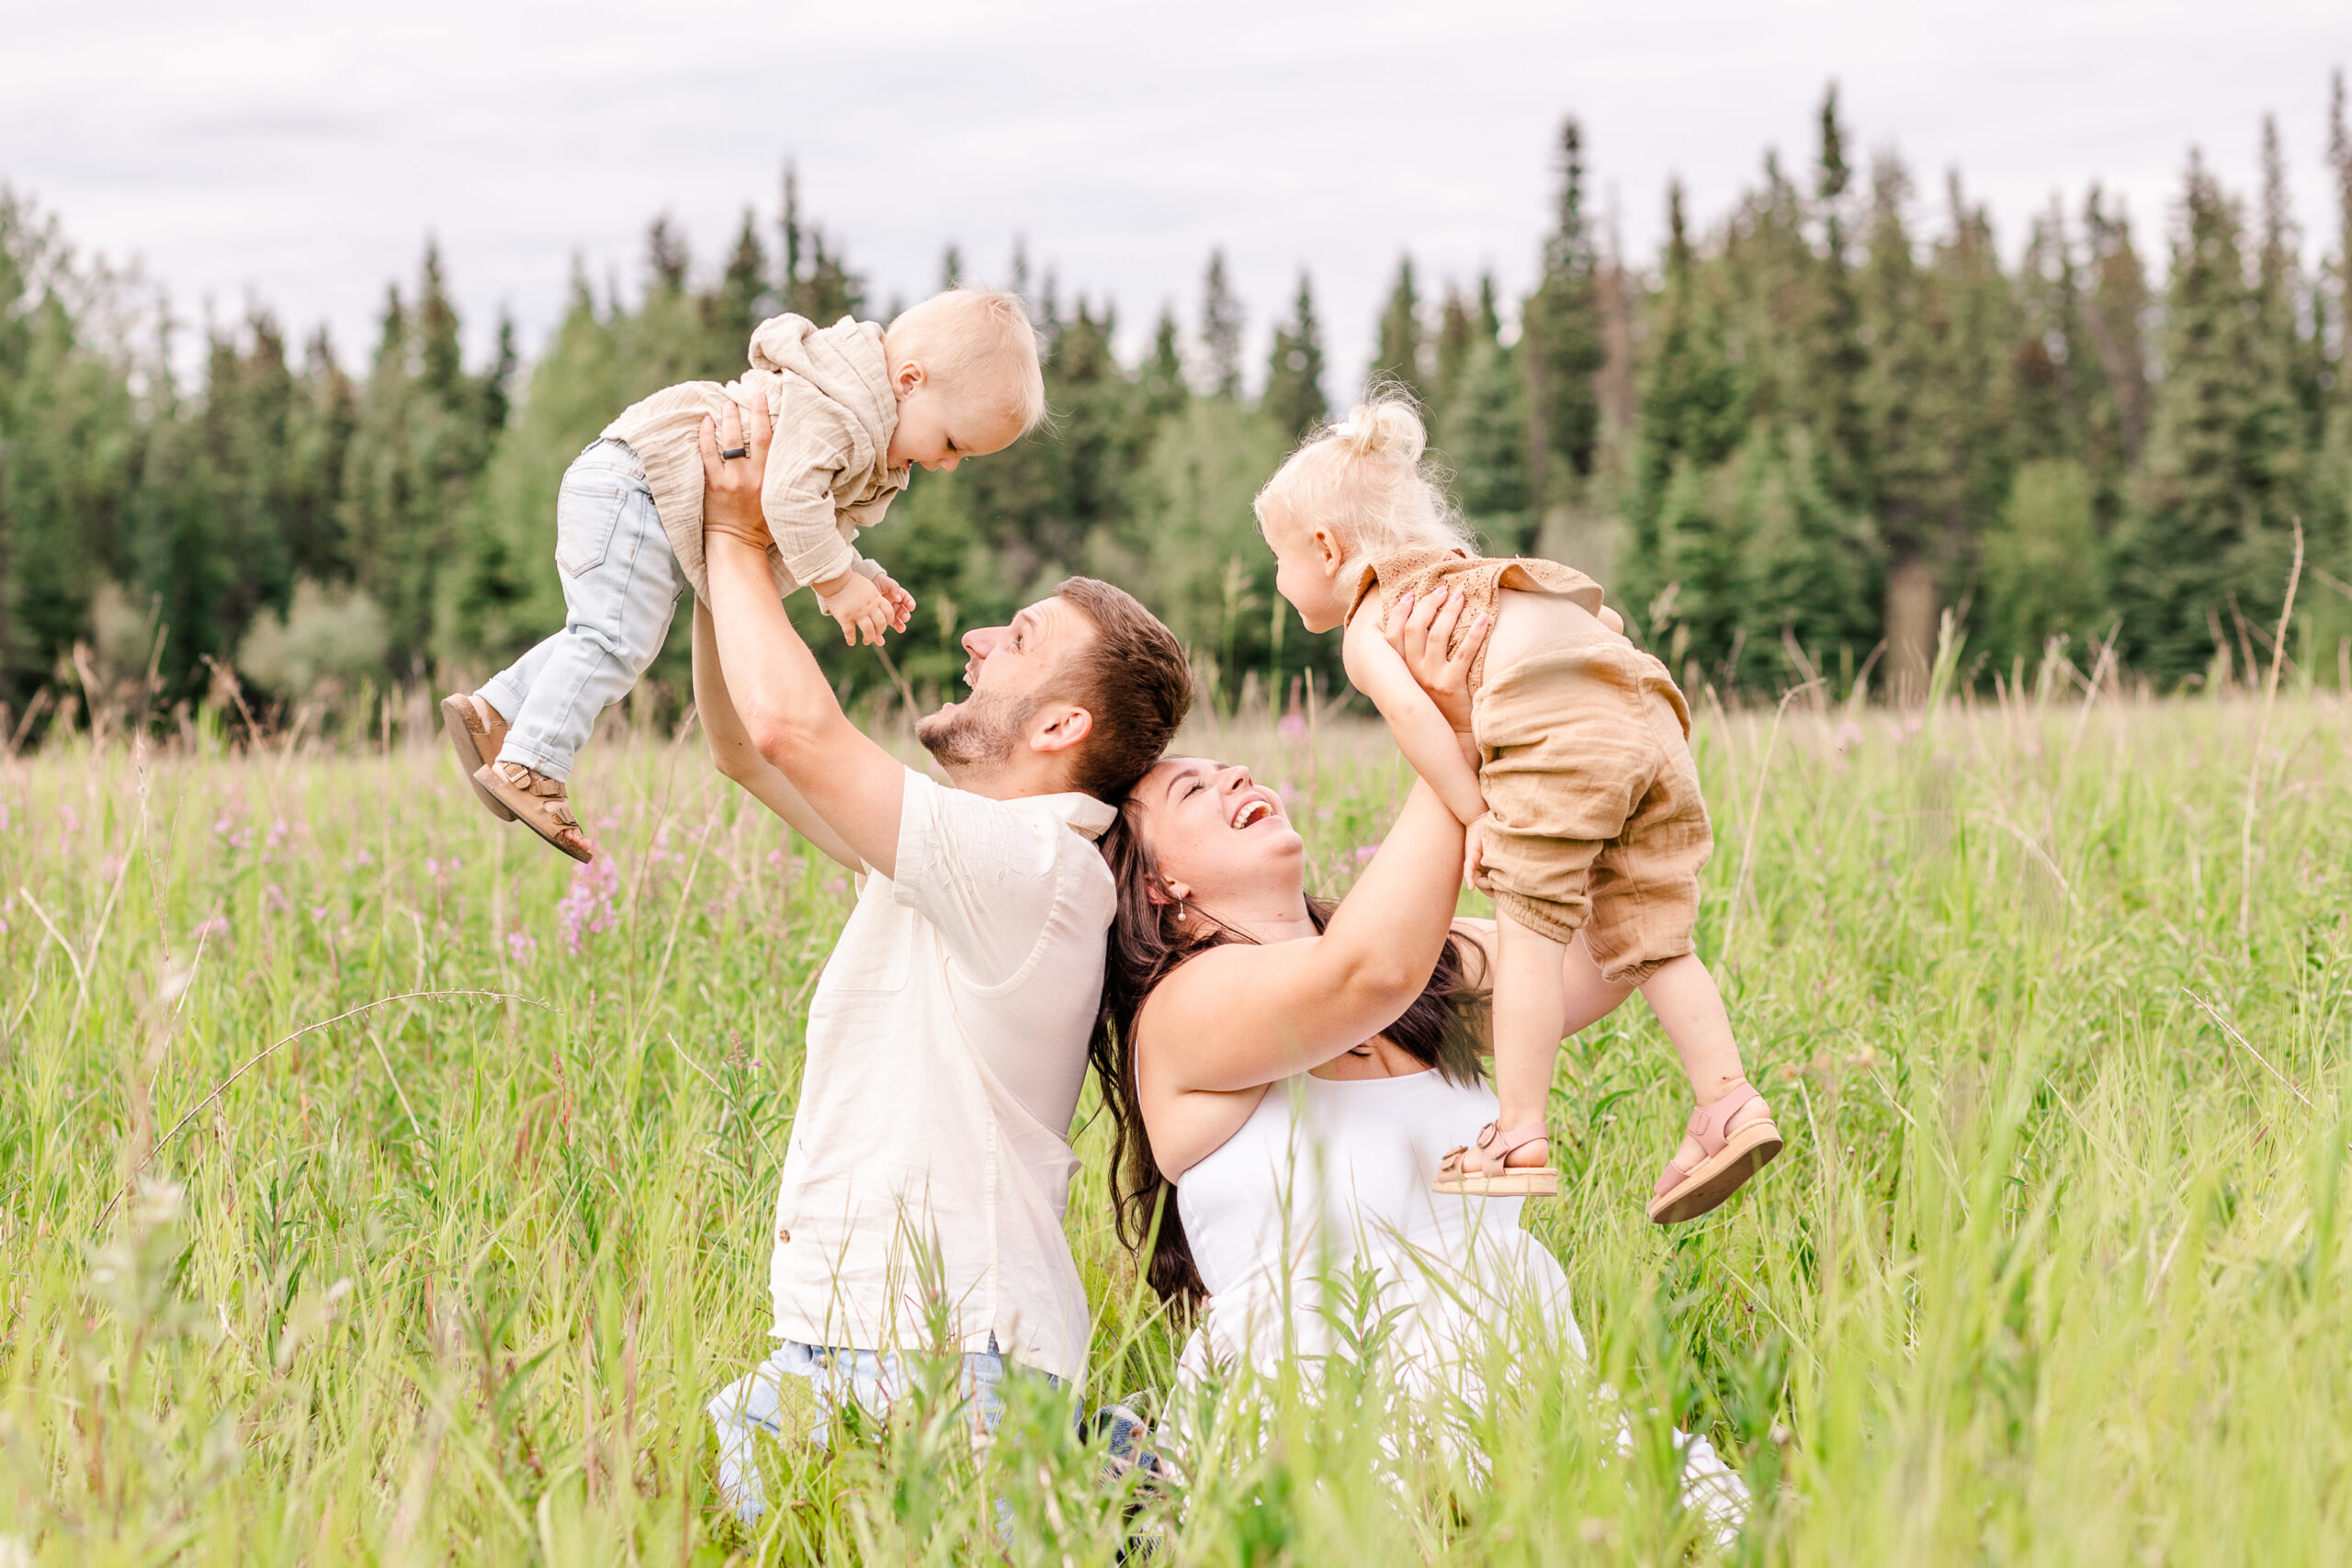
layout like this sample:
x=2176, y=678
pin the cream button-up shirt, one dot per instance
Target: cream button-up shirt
x=930, y=1163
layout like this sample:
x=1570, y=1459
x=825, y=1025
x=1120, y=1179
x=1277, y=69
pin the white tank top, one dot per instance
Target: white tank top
x=1324, y=1195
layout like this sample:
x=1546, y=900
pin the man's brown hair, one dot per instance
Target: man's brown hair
x=1135, y=682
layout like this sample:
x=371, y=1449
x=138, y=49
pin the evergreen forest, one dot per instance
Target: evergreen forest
x=1821, y=434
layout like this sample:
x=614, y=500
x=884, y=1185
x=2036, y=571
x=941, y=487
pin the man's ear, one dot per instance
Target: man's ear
x=1065, y=725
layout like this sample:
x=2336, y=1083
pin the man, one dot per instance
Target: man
x=924, y=1185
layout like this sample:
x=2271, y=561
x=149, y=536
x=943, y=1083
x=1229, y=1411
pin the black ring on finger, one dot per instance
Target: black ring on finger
x=732, y=452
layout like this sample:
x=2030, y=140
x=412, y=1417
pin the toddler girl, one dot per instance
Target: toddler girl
x=1576, y=779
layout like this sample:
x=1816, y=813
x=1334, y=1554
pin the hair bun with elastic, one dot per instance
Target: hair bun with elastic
x=1386, y=425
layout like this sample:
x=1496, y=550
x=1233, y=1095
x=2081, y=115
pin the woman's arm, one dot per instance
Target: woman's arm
x=734, y=755
x=1243, y=1015
x=1422, y=732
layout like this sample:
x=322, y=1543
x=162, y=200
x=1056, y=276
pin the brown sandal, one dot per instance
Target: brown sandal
x=476, y=733
x=1499, y=1180
x=1731, y=1158
x=540, y=804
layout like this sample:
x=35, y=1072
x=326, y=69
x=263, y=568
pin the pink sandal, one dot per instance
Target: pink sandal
x=1730, y=1158
x=1499, y=1180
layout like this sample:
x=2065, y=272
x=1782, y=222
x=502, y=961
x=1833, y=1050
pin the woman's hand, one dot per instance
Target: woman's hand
x=1419, y=632
x=730, y=487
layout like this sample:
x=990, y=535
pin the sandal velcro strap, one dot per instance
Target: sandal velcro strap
x=1710, y=1124
x=1500, y=1147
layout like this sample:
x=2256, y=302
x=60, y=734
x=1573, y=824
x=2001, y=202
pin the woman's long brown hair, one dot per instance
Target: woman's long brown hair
x=1443, y=1029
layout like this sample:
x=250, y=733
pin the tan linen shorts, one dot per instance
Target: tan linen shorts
x=1595, y=821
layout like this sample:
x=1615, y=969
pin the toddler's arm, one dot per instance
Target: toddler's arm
x=1429, y=742
x=813, y=445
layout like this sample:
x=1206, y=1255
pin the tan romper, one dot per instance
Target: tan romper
x=1596, y=819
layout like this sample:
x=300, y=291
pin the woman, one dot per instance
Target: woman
x=1287, y=1076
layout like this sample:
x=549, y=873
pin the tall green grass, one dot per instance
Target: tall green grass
x=2053, y=1270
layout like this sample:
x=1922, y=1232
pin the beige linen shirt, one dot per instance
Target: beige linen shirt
x=930, y=1163
x=828, y=389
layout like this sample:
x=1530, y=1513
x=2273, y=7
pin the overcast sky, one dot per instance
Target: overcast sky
x=298, y=153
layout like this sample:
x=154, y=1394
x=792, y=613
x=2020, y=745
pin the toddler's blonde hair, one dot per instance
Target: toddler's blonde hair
x=1364, y=481
x=977, y=343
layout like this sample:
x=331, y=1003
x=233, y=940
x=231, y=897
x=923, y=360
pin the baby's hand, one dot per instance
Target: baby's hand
x=858, y=605
x=902, y=603
x=1473, y=856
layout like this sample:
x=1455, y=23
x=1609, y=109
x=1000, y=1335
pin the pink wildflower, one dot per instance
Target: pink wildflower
x=587, y=906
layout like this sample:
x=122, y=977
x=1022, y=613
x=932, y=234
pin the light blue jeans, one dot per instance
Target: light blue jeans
x=871, y=1381
x=621, y=583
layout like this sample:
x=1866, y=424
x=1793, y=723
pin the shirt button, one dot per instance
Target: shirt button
x=783, y=1234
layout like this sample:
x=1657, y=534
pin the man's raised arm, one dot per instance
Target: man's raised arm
x=786, y=705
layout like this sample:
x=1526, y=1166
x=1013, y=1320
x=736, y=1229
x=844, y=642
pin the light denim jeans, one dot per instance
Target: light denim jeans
x=621, y=583
x=871, y=1381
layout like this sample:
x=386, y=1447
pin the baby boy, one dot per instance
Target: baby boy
x=853, y=407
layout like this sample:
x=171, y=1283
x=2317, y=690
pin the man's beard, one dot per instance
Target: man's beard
x=979, y=732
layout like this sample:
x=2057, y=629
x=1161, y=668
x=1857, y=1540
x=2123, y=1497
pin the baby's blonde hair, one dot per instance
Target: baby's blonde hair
x=976, y=344
x=1364, y=480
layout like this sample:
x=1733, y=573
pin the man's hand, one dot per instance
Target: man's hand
x=730, y=500
x=1419, y=632
x=857, y=605
x=784, y=708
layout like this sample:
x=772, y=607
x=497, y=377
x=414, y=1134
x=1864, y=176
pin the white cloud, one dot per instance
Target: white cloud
x=300, y=153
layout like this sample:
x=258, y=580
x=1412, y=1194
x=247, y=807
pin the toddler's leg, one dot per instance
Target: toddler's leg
x=1530, y=1016
x=1732, y=1135
x=511, y=687
x=1591, y=996
x=620, y=591
x=1682, y=992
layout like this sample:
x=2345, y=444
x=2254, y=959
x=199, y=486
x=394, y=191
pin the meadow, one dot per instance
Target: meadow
x=2051, y=990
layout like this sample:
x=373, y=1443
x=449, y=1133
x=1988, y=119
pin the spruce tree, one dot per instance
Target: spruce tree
x=1220, y=332
x=1164, y=390
x=1396, y=359
x=2339, y=162
x=1562, y=338
x=318, y=435
x=740, y=302
x=1482, y=433
x=1907, y=394
x=2293, y=365
x=1450, y=351
x=1978, y=367
x=1834, y=358
x=1691, y=418
x=2117, y=309
x=2330, y=491
x=2202, y=531
x=1294, y=397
